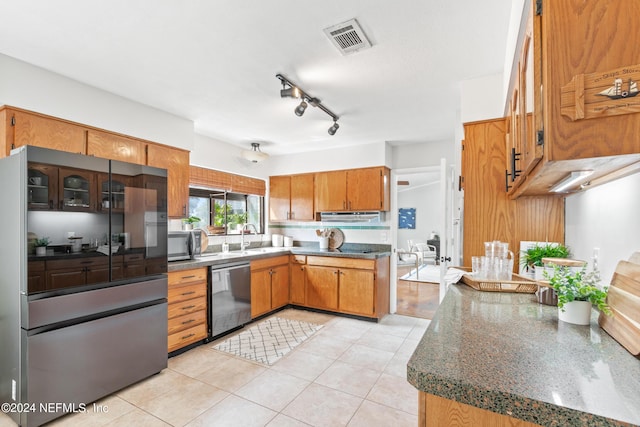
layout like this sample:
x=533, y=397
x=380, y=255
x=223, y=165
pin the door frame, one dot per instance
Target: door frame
x=393, y=227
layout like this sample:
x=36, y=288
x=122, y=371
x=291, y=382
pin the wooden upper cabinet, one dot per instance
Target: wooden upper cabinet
x=365, y=189
x=176, y=162
x=577, y=124
x=42, y=131
x=116, y=147
x=279, y=198
x=368, y=189
x=302, y=197
x=291, y=197
x=331, y=191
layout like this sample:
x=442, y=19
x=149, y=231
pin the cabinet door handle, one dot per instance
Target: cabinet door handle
x=189, y=307
x=186, y=322
x=50, y=204
x=187, y=336
x=189, y=277
x=188, y=293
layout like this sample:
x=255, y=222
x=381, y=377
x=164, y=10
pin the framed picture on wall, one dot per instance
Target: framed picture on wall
x=407, y=218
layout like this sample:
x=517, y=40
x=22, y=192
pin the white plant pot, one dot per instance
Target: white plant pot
x=187, y=226
x=41, y=250
x=576, y=312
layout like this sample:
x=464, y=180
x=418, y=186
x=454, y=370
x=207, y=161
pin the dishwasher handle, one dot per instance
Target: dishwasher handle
x=232, y=266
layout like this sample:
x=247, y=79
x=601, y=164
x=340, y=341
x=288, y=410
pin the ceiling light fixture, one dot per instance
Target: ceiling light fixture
x=571, y=180
x=291, y=90
x=254, y=155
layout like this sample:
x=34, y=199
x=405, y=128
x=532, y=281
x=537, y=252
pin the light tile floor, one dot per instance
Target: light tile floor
x=349, y=373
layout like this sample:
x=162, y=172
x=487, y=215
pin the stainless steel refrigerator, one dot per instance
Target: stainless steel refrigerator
x=83, y=288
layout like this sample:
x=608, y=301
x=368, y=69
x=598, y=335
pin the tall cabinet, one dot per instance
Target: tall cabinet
x=489, y=212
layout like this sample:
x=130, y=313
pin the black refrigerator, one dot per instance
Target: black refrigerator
x=83, y=289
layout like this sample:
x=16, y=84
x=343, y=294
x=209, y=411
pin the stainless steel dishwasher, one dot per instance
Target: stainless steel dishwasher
x=230, y=297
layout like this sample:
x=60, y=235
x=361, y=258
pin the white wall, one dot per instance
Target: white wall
x=605, y=217
x=26, y=86
x=407, y=156
x=426, y=200
x=482, y=98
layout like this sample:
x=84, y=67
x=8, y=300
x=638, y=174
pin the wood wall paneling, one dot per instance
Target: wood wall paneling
x=489, y=213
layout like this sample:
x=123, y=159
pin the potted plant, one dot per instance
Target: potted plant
x=41, y=245
x=577, y=292
x=531, y=259
x=187, y=223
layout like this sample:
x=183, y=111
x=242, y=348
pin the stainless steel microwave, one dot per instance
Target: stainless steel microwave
x=183, y=245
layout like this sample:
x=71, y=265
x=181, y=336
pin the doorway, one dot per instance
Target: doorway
x=416, y=217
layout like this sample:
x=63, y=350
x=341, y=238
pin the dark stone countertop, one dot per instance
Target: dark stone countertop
x=506, y=353
x=353, y=250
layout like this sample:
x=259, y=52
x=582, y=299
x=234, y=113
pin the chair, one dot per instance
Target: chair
x=427, y=253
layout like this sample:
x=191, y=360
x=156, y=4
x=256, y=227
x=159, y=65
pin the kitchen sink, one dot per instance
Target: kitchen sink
x=269, y=249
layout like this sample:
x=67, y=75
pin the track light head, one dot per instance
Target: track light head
x=291, y=92
x=332, y=130
x=300, y=108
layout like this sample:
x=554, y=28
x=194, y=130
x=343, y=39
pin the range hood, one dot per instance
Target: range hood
x=352, y=216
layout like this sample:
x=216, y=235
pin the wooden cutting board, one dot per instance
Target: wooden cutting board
x=624, y=300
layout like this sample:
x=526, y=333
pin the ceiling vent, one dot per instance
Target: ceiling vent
x=348, y=37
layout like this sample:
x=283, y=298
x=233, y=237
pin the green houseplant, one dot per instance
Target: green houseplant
x=187, y=223
x=41, y=245
x=532, y=257
x=577, y=292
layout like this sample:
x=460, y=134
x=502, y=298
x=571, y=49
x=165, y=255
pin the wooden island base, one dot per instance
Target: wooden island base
x=435, y=411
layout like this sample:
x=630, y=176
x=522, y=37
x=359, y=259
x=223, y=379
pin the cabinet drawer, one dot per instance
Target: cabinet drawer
x=186, y=321
x=187, y=306
x=177, y=278
x=186, y=337
x=182, y=293
x=365, y=264
x=269, y=262
x=298, y=259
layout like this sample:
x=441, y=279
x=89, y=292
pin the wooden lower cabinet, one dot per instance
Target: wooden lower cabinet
x=357, y=292
x=298, y=281
x=435, y=411
x=269, y=284
x=187, y=310
x=322, y=287
x=348, y=285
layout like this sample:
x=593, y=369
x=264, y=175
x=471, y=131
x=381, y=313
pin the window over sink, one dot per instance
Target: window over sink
x=224, y=213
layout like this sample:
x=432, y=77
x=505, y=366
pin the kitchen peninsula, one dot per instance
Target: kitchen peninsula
x=504, y=358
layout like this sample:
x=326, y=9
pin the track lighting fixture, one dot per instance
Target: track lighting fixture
x=332, y=130
x=291, y=90
x=300, y=109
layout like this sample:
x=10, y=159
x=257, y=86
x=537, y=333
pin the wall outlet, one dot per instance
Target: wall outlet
x=383, y=237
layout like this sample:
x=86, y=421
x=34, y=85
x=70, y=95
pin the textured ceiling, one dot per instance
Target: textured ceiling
x=214, y=62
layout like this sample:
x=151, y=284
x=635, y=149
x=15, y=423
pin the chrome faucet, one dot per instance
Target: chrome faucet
x=246, y=226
